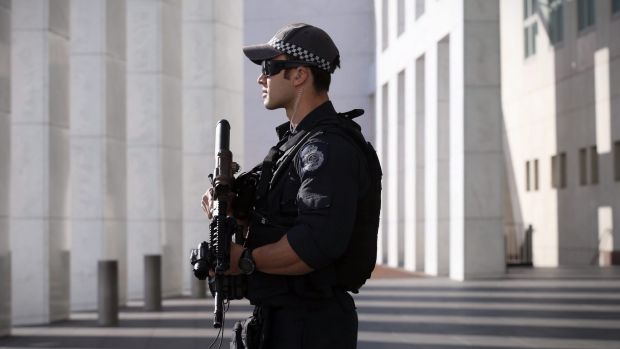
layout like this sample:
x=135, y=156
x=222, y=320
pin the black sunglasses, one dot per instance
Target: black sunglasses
x=272, y=67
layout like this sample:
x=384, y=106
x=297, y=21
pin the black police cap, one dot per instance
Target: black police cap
x=302, y=41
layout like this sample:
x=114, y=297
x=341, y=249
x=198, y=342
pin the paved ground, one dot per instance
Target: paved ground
x=531, y=308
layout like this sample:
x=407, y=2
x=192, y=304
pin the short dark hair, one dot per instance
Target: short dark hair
x=322, y=78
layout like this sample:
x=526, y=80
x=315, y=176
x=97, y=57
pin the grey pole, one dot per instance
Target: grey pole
x=5, y=294
x=152, y=282
x=108, y=292
x=199, y=287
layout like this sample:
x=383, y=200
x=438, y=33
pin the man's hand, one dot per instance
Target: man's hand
x=235, y=254
x=207, y=202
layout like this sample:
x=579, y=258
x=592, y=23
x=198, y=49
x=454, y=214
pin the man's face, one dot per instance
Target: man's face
x=277, y=92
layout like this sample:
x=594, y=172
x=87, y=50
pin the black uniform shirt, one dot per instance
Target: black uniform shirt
x=321, y=189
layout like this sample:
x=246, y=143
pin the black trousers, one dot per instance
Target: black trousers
x=317, y=324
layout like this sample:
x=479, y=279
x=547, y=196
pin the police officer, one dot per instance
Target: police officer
x=306, y=203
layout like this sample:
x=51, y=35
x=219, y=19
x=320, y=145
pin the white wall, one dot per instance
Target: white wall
x=351, y=27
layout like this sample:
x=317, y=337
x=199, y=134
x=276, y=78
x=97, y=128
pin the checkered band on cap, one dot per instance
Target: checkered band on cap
x=300, y=53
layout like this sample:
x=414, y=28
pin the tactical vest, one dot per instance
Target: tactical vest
x=356, y=265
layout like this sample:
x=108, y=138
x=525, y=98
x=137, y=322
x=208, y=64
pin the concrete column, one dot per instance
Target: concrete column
x=401, y=162
x=420, y=163
x=39, y=161
x=391, y=172
x=476, y=167
x=382, y=151
x=212, y=89
x=5, y=146
x=107, y=292
x=154, y=160
x=431, y=241
x=98, y=155
x=409, y=177
x=443, y=155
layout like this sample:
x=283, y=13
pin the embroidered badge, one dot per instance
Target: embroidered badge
x=311, y=158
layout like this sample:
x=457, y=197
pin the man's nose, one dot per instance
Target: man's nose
x=260, y=78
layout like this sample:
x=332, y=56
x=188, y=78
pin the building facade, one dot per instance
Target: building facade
x=438, y=132
x=107, y=153
x=561, y=104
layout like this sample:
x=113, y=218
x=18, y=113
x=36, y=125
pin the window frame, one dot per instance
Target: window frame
x=588, y=9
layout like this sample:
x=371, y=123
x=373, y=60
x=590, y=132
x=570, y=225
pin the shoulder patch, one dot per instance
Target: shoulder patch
x=312, y=157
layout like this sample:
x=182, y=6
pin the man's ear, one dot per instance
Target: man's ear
x=301, y=75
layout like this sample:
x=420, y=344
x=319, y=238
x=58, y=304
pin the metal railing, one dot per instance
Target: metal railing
x=518, y=244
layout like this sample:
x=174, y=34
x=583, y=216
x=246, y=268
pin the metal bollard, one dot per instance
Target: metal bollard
x=152, y=282
x=199, y=287
x=5, y=294
x=107, y=272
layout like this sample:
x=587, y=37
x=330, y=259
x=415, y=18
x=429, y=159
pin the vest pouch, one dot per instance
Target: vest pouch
x=262, y=285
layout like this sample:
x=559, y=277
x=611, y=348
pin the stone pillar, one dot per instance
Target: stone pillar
x=98, y=155
x=154, y=160
x=410, y=176
x=420, y=163
x=5, y=146
x=391, y=173
x=431, y=241
x=443, y=156
x=212, y=89
x=476, y=168
x=382, y=109
x=39, y=161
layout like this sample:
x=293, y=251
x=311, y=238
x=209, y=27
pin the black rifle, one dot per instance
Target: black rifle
x=215, y=255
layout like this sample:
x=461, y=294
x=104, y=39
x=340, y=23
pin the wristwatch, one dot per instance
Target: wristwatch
x=246, y=262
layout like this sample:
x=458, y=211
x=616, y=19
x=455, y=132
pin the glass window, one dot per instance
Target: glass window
x=527, y=176
x=556, y=22
x=419, y=8
x=401, y=17
x=536, y=174
x=530, y=33
x=585, y=14
x=617, y=160
x=563, y=177
x=583, y=166
x=384, y=27
x=615, y=6
x=554, y=171
x=529, y=8
x=594, y=164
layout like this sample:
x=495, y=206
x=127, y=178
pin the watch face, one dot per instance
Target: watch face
x=246, y=265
